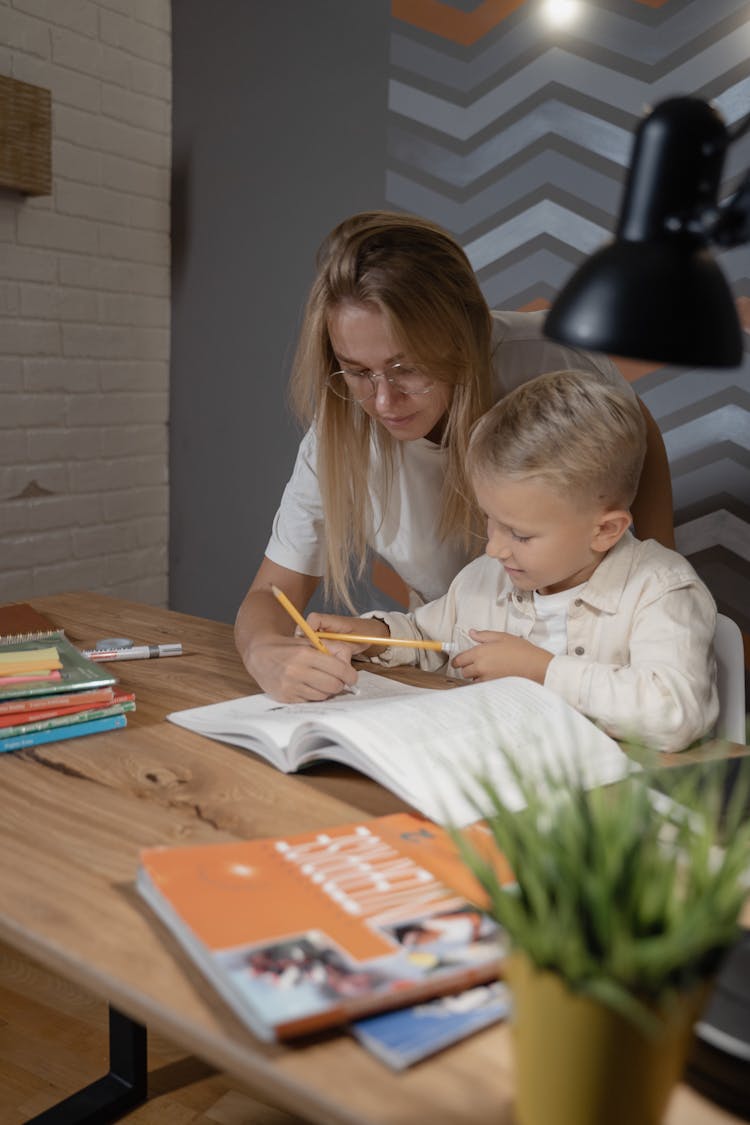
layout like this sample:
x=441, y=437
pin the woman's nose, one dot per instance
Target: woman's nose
x=384, y=391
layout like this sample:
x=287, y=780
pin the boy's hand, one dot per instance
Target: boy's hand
x=499, y=654
x=332, y=623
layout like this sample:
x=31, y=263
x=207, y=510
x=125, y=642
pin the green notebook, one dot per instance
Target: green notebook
x=77, y=670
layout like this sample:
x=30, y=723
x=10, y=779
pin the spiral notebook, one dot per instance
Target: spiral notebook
x=23, y=629
x=21, y=622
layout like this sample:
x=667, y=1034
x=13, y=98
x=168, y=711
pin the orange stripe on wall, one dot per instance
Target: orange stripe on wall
x=460, y=27
x=465, y=27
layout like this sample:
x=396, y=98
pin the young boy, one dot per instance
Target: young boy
x=564, y=594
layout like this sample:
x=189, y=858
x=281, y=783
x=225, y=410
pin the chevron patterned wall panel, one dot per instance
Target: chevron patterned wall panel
x=515, y=135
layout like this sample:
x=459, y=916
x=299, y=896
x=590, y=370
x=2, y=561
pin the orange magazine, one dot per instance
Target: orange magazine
x=308, y=931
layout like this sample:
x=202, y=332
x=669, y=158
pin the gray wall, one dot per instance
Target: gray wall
x=279, y=132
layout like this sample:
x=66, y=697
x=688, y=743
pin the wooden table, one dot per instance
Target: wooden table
x=75, y=815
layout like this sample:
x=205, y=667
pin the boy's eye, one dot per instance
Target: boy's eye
x=520, y=538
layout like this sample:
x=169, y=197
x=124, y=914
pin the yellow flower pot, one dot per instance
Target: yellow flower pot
x=578, y=1062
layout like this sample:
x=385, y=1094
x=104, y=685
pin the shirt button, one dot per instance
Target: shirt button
x=579, y=651
x=578, y=601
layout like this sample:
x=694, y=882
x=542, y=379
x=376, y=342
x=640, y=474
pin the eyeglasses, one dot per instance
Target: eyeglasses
x=358, y=386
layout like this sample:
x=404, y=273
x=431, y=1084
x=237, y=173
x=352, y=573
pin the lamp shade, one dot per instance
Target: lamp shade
x=670, y=304
x=655, y=292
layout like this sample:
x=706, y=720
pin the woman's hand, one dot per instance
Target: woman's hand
x=364, y=626
x=287, y=667
x=499, y=654
x=294, y=671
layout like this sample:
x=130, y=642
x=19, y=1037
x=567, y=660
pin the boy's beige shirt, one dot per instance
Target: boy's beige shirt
x=640, y=640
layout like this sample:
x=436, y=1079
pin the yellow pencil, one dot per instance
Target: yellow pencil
x=297, y=617
x=357, y=638
x=309, y=632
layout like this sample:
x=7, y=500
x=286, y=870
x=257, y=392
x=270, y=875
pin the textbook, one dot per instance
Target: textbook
x=407, y=1035
x=55, y=734
x=425, y=745
x=308, y=931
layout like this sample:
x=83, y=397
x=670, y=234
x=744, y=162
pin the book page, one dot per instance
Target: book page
x=427, y=751
x=265, y=726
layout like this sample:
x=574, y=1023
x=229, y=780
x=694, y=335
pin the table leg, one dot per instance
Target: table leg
x=118, y=1091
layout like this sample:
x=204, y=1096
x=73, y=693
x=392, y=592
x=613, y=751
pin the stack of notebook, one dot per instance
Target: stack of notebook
x=48, y=689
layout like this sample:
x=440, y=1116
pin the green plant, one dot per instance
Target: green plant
x=629, y=895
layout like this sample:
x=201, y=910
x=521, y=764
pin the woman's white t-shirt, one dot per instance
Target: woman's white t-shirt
x=406, y=535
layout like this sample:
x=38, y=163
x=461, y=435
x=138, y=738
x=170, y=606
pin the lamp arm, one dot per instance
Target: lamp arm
x=739, y=130
x=729, y=223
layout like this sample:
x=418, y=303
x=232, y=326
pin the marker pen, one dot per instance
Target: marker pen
x=135, y=652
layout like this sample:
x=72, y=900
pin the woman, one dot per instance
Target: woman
x=399, y=354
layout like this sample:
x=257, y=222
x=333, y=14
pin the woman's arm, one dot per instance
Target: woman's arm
x=653, y=514
x=285, y=666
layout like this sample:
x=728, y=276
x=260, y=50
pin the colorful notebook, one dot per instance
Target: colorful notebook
x=56, y=734
x=45, y=720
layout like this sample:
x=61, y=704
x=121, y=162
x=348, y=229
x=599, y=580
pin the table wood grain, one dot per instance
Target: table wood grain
x=75, y=815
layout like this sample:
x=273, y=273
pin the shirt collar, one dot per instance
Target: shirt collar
x=605, y=587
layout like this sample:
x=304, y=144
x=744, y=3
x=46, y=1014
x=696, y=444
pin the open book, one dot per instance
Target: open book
x=425, y=745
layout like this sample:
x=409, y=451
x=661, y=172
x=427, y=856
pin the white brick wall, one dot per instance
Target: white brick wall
x=84, y=306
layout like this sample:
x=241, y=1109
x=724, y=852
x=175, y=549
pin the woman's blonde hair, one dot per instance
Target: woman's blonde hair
x=420, y=279
x=580, y=435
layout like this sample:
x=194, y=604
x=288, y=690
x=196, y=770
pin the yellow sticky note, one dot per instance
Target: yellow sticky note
x=31, y=660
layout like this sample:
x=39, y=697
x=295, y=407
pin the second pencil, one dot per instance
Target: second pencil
x=386, y=642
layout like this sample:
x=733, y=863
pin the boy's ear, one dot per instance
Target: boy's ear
x=610, y=527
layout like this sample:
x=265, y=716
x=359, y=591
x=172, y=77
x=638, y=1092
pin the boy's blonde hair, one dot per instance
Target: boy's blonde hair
x=578, y=434
x=419, y=278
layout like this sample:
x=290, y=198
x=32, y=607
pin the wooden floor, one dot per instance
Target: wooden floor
x=54, y=1040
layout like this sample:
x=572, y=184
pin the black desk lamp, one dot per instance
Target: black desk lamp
x=655, y=292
